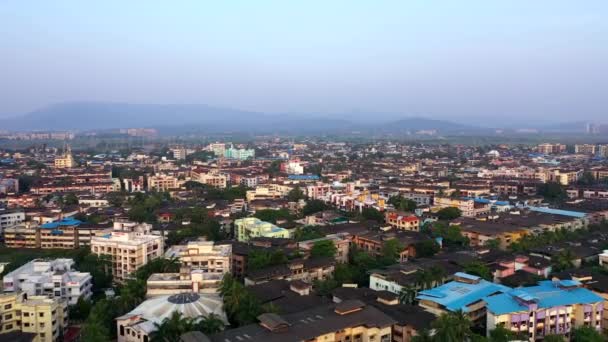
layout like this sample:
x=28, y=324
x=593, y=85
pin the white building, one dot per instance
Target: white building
x=137, y=325
x=54, y=278
x=129, y=246
x=9, y=218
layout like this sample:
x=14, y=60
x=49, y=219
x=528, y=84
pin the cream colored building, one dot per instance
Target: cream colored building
x=128, y=249
x=65, y=161
x=40, y=315
x=163, y=182
x=268, y=191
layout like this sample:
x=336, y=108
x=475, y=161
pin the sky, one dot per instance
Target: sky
x=461, y=60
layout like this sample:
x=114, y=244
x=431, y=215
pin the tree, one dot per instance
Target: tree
x=323, y=248
x=563, y=260
x=554, y=338
x=586, y=334
x=372, y=214
x=80, y=311
x=426, y=248
x=401, y=203
x=172, y=327
x=211, y=324
x=552, y=191
x=272, y=215
x=479, y=269
x=313, y=206
x=493, y=244
x=502, y=334
x=295, y=194
x=452, y=327
x=115, y=199
x=308, y=233
x=451, y=234
x=70, y=199
x=449, y=213
x=423, y=336
x=407, y=295
x=391, y=251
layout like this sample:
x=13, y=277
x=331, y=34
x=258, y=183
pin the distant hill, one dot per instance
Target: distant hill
x=101, y=116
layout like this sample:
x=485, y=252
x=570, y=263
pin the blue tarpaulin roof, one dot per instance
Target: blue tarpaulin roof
x=546, y=294
x=569, y=213
x=68, y=221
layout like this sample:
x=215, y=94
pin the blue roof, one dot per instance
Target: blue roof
x=546, y=294
x=303, y=177
x=456, y=295
x=68, y=221
x=568, y=213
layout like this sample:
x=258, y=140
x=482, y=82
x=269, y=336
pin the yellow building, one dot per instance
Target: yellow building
x=66, y=161
x=40, y=315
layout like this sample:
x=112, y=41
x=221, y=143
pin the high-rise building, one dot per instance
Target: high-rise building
x=66, y=161
x=129, y=247
x=551, y=148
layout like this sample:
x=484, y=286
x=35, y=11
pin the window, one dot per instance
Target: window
x=8, y=306
x=26, y=314
x=41, y=314
x=9, y=316
x=9, y=326
x=122, y=330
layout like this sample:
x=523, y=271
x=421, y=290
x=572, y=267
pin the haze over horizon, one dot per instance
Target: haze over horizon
x=542, y=60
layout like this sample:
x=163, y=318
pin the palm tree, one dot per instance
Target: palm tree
x=210, y=325
x=452, y=327
x=502, y=334
x=407, y=295
x=437, y=274
x=172, y=327
x=424, y=279
x=423, y=336
x=563, y=260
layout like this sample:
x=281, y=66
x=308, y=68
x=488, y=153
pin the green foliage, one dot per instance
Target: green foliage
x=70, y=199
x=401, y=203
x=26, y=182
x=587, y=179
x=144, y=206
x=502, y=334
x=100, y=325
x=493, y=244
x=449, y=213
x=552, y=191
x=200, y=156
x=452, y=327
x=274, y=168
x=172, y=327
x=80, y=311
x=314, y=206
x=272, y=215
x=323, y=248
x=554, y=338
x=451, y=234
x=391, y=250
x=479, y=269
x=563, y=260
x=100, y=269
x=241, y=306
x=262, y=258
x=528, y=242
x=372, y=214
x=325, y=287
x=115, y=199
x=308, y=233
x=587, y=334
x=426, y=248
x=210, y=229
x=295, y=194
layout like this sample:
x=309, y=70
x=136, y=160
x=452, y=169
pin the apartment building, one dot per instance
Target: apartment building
x=45, y=317
x=341, y=241
x=585, y=149
x=349, y=320
x=128, y=250
x=563, y=176
x=204, y=263
x=66, y=160
x=250, y=227
x=268, y=191
x=10, y=217
x=53, y=278
x=468, y=206
x=239, y=153
x=466, y=292
x=553, y=307
x=402, y=221
x=551, y=148
x=162, y=182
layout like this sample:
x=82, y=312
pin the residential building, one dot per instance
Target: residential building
x=53, y=278
x=141, y=322
x=466, y=292
x=482, y=231
x=551, y=148
x=43, y=317
x=66, y=161
x=602, y=151
x=219, y=149
x=186, y=281
x=553, y=307
x=163, y=182
x=349, y=320
x=128, y=249
x=239, y=153
x=9, y=185
x=585, y=149
x=402, y=221
x=250, y=227
x=341, y=241
x=468, y=206
x=268, y=191
x=10, y=217
x=307, y=270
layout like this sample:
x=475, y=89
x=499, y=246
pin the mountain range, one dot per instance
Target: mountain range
x=79, y=116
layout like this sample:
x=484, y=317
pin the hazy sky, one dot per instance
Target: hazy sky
x=442, y=59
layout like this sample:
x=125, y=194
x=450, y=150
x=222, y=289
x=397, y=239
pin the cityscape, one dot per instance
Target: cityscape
x=319, y=172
